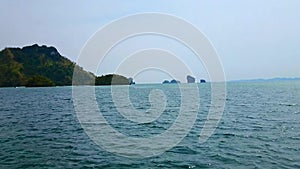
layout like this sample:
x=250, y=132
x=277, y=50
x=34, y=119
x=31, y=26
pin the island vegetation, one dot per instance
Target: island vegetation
x=112, y=79
x=40, y=66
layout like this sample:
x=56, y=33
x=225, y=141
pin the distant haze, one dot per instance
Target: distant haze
x=254, y=38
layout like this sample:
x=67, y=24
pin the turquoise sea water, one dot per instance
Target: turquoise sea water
x=260, y=128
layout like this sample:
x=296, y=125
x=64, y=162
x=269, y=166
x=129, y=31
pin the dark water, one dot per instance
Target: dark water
x=260, y=128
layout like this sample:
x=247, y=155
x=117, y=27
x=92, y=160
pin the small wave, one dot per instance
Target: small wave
x=227, y=158
x=288, y=104
x=251, y=117
x=183, y=150
x=225, y=135
x=229, y=135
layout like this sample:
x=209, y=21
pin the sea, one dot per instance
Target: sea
x=259, y=128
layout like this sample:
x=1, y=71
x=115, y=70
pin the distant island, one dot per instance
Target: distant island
x=42, y=66
x=278, y=79
x=190, y=79
x=171, y=82
x=202, y=81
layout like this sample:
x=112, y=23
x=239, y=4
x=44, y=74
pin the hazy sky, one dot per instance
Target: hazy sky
x=254, y=38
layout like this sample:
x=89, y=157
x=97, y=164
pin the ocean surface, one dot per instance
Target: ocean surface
x=260, y=128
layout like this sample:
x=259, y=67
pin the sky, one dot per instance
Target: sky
x=253, y=38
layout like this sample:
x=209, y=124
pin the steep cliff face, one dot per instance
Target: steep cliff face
x=190, y=79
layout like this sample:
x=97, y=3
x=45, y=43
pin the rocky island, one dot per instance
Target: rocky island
x=171, y=82
x=190, y=79
x=42, y=66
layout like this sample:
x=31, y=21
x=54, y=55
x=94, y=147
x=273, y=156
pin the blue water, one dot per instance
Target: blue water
x=260, y=128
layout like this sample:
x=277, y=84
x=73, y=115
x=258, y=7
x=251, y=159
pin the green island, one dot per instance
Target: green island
x=42, y=66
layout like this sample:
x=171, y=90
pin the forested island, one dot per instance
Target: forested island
x=42, y=66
